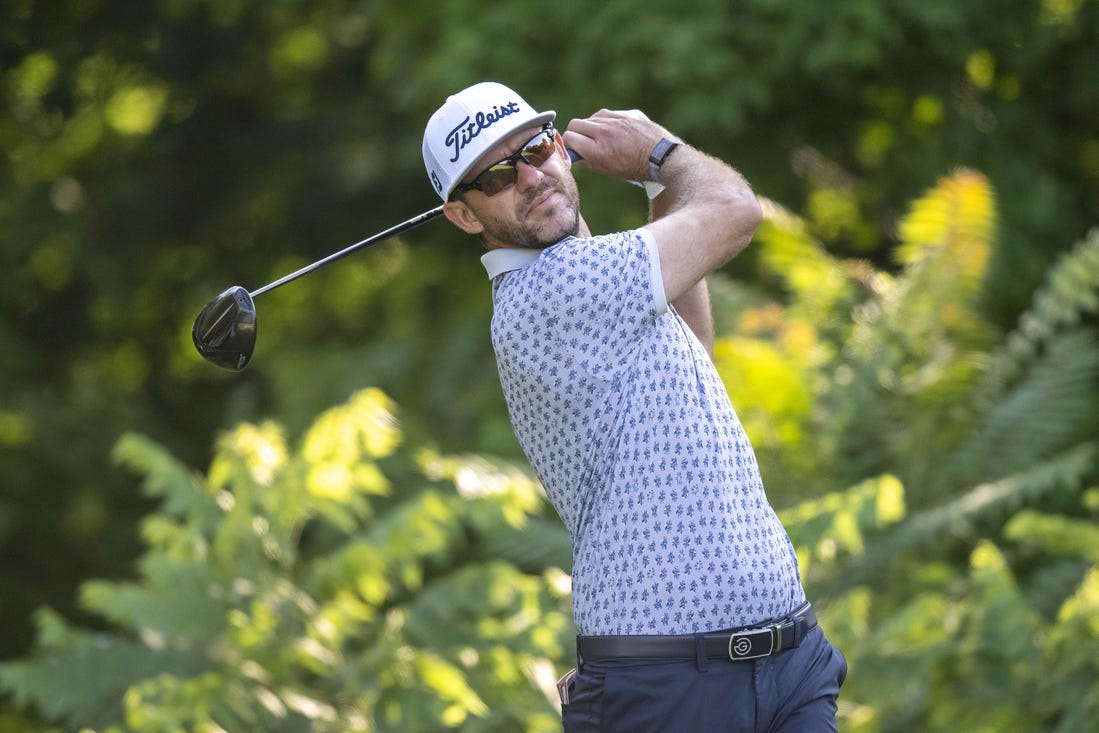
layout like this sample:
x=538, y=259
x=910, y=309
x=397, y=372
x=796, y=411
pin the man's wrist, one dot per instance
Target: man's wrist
x=660, y=154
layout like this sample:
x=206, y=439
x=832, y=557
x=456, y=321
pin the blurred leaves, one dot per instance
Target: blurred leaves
x=910, y=343
x=356, y=580
x=263, y=603
x=950, y=544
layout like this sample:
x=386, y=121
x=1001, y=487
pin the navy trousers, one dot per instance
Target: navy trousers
x=793, y=691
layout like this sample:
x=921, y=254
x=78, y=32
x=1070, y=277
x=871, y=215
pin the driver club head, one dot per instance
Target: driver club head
x=225, y=330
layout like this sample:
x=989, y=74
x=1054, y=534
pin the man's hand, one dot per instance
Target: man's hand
x=615, y=144
x=707, y=212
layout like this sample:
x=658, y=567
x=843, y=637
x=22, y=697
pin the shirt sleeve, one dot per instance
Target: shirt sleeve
x=656, y=278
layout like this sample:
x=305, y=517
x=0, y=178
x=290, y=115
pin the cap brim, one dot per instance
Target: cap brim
x=539, y=119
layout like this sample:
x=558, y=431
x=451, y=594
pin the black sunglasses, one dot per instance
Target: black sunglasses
x=504, y=174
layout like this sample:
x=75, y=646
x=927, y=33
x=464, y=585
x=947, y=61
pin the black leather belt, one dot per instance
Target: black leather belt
x=736, y=644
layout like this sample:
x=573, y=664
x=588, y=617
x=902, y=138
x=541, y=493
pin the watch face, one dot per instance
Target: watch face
x=659, y=155
x=662, y=150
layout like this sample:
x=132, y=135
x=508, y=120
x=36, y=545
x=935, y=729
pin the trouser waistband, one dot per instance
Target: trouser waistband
x=736, y=644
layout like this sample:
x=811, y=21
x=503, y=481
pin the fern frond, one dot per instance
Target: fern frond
x=951, y=226
x=451, y=605
x=363, y=428
x=542, y=543
x=1063, y=472
x=387, y=560
x=946, y=240
x=180, y=488
x=1055, y=534
x=1072, y=650
x=183, y=615
x=503, y=508
x=1071, y=289
x=476, y=478
x=816, y=280
x=1051, y=405
x=822, y=529
x=918, y=340
x=84, y=684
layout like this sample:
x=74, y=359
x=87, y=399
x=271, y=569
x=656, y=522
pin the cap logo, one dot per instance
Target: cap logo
x=466, y=130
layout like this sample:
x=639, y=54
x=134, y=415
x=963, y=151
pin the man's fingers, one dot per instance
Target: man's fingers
x=614, y=143
x=586, y=126
x=581, y=135
x=578, y=142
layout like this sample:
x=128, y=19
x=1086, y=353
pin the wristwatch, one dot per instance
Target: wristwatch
x=660, y=154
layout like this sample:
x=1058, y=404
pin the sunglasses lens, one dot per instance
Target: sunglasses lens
x=505, y=173
x=497, y=178
x=539, y=152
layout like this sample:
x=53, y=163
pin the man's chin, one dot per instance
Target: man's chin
x=560, y=218
x=556, y=235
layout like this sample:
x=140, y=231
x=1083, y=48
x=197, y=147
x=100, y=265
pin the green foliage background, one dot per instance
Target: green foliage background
x=910, y=341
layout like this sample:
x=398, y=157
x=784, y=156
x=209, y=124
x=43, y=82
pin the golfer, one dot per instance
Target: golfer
x=686, y=591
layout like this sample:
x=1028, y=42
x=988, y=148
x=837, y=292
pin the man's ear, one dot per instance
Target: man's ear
x=462, y=216
x=560, y=143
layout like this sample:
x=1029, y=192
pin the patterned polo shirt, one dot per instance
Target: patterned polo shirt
x=621, y=413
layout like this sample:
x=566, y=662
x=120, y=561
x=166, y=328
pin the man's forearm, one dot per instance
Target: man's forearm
x=694, y=308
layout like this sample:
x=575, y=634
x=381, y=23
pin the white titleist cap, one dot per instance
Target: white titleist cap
x=467, y=125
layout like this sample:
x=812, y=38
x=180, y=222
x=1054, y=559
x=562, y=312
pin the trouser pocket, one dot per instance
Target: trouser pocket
x=582, y=700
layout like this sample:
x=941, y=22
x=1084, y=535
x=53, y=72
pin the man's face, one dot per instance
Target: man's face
x=542, y=207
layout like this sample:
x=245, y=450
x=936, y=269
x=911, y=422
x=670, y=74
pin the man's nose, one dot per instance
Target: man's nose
x=529, y=174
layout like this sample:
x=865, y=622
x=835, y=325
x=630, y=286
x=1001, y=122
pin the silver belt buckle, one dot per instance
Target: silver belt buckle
x=741, y=644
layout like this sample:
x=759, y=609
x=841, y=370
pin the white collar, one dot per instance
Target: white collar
x=499, y=261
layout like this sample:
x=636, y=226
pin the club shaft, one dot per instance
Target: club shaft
x=390, y=232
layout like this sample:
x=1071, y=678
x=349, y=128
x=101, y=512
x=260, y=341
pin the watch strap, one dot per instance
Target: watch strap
x=660, y=153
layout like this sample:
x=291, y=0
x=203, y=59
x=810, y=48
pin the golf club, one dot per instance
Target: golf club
x=225, y=330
